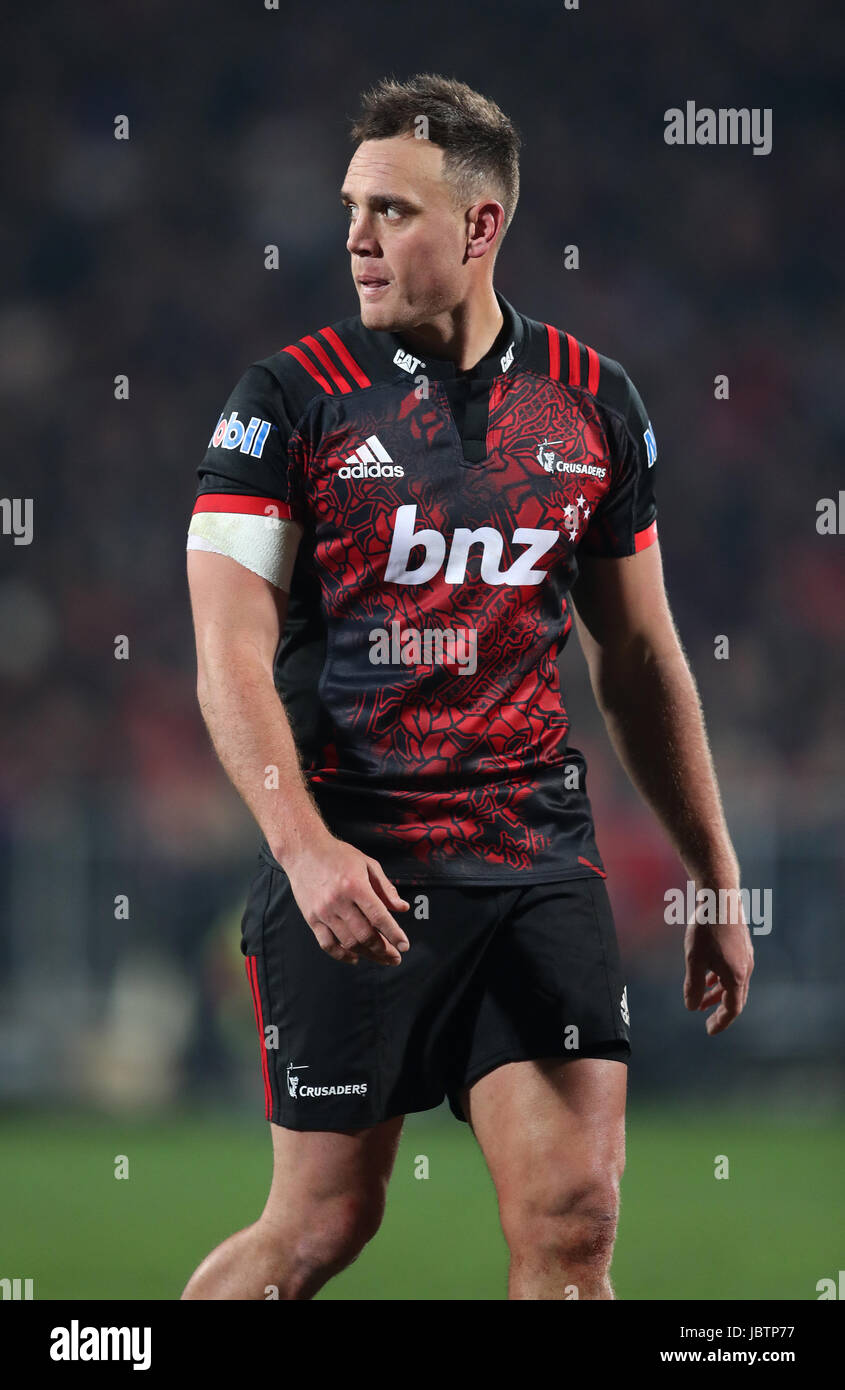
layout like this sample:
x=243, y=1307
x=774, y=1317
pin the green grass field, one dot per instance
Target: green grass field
x=770, y=1231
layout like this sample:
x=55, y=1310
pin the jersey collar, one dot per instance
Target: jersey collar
x=500, y=359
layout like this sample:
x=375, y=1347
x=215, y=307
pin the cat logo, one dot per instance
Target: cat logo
x=407, y=361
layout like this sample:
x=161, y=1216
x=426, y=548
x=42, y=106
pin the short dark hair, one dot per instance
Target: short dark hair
x=480, y=143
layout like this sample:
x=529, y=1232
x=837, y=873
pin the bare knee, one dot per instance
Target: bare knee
x=324, y=1238
x=335, y=1231
x=570, y=1222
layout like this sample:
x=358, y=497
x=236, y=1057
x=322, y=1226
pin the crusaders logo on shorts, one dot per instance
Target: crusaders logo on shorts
x=623, y=1005
x=293, y=1080
x=295, y=1091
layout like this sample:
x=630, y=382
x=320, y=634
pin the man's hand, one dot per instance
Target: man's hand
x=344, y=897
x=645, y=690
x=719, y=961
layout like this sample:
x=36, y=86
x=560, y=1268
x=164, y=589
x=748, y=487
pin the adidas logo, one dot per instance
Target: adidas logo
x=371, y=460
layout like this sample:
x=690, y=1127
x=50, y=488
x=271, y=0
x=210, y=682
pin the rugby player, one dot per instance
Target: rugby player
x=399, y=517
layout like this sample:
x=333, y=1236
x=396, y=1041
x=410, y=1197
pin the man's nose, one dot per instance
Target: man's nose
x=362, y=239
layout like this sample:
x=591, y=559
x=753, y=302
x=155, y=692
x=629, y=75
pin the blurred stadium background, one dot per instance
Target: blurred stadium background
x=146, y=257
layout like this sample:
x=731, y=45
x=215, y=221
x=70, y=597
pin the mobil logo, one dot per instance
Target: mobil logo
x=232, y=433
x=429, y=551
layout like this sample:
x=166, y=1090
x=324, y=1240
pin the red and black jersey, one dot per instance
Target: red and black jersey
x=442, y=515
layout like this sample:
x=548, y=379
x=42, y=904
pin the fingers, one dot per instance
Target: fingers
x=748, y=975
x=694, y=982
x=390, y=896
x=361, y=933
x=718, y=972
x=330, y=944
x=729, y=1008
x=713, y=991
x=354, y=922
x=730, y=997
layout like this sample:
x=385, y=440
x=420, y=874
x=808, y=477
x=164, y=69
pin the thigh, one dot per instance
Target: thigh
x=317, y=1018
x=545, y=1122
x=553, y=985
x=311, y=1167
x=346, y=1048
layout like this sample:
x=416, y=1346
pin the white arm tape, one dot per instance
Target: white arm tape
x=263, y=544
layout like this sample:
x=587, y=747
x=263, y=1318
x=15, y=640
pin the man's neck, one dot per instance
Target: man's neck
x=464, y=336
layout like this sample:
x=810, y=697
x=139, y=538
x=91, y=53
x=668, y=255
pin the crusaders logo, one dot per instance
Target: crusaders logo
x=546, y=455
x=293, y=1079
x=553, y=463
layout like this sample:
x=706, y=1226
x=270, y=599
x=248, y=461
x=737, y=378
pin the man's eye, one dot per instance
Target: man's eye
x=389, y=211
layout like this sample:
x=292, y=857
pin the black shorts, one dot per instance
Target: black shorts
x=493, y=975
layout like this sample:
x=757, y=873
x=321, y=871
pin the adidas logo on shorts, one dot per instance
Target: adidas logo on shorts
x=371, y=460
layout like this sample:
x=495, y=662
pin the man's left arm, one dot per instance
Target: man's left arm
x=650, y=704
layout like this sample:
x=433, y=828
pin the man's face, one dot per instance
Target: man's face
x=407, y=237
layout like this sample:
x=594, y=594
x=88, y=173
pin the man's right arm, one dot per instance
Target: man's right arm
x=343, y=894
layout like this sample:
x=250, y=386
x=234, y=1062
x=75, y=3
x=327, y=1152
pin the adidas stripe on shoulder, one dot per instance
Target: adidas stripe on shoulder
x=628, y=515
x=327, y=360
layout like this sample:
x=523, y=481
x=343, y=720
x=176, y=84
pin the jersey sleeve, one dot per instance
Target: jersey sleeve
x=249, y=502
x=625, y=521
